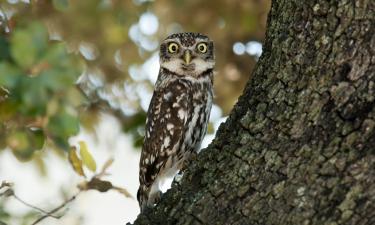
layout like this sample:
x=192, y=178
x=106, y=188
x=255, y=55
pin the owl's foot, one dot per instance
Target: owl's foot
x=154, y=199
x=178, y=177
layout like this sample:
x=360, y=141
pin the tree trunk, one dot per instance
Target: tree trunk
x=299, y=146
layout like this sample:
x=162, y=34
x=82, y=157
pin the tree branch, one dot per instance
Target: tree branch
x=9, y=192
x=57, y=208
x=34, y=207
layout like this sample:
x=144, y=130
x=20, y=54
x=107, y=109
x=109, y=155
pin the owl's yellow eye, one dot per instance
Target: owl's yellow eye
x=202, y=47
x=172, y=47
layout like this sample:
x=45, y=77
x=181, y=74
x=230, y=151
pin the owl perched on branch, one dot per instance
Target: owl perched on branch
x=179, y=111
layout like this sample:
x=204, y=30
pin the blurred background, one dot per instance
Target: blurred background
x=76, y=78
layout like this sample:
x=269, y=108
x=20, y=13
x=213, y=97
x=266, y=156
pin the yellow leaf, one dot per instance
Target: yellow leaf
x=75, y=162
x=86, y=157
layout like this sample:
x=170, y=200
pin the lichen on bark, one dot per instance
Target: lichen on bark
x=299, y=146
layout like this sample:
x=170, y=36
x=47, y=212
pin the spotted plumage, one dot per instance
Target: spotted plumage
x=179, y=111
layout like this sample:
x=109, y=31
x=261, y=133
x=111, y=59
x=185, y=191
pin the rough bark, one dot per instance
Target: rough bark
x=299, y=146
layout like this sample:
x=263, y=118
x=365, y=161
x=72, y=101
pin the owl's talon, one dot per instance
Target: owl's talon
x=178, y=177
x=154, y=199
x=157, y=197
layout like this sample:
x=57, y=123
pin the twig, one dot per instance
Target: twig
x=35, y=207
x=56, y=209
x=103, y=171
x=95, y=183
x=9, y=192
x=5, y=184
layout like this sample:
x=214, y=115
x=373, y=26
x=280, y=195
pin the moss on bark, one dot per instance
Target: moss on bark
x=299, y=146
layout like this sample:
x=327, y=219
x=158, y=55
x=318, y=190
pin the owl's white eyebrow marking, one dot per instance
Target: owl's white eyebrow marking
x=177, y=40
x=172, y=39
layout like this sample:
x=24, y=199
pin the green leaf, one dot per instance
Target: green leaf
x=132, y=123
x=19, y=142
x=37, y=138
x=9, y=75
x=63, y=69
x=86, y=157
x=28, y=44
x=4, y=49
x=62, y=126
x=8, y=109
x=33, y=96
x=24, y=142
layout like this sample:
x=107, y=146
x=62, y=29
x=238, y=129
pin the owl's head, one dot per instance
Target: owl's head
x=187, y=54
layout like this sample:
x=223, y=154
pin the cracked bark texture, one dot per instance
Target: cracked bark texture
x=299, y=146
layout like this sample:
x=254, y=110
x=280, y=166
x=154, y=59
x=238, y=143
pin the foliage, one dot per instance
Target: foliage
x=39, y=95
x=64, y=63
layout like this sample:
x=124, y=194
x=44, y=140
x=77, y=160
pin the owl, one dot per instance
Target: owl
x=178, y=113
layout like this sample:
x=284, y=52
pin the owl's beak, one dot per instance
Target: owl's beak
x=187, y=57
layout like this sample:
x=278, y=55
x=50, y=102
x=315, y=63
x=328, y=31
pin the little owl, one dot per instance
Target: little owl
x=178, y=113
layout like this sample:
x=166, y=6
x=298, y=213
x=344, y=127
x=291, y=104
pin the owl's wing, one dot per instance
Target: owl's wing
x=166, y=120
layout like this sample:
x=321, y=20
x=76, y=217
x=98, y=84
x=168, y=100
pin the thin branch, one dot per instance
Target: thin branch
x=94, y=184
x=5, y=184
x=35, y=207
x=56, y=209
x=103, y=171
x=9, y=192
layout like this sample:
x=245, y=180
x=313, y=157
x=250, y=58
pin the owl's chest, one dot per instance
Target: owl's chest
x=199, y=92
x=188, y=94
x=198, y=110
x=201, y=97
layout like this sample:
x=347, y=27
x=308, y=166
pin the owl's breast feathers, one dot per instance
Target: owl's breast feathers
x=176, y=124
